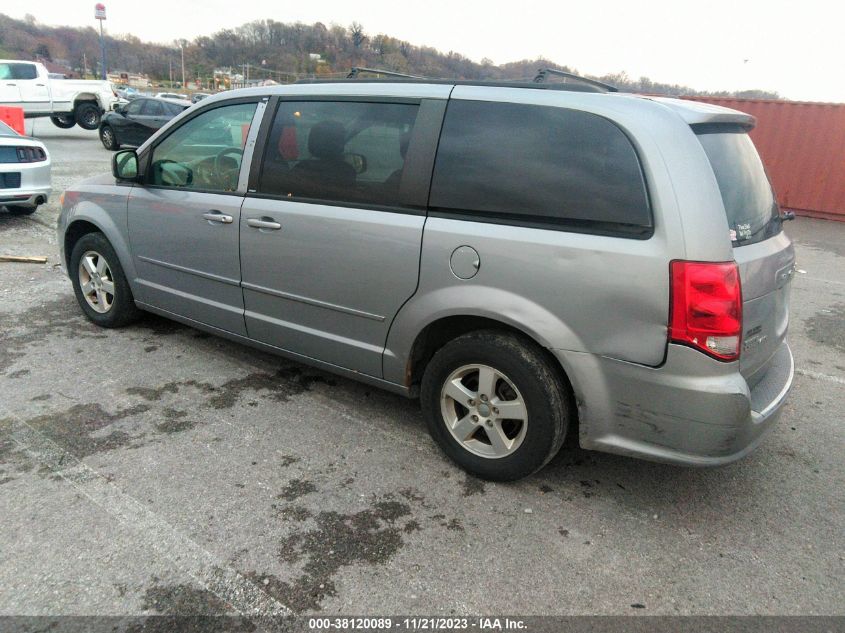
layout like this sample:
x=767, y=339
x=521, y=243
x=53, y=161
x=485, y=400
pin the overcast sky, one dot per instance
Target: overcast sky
x=796, y=48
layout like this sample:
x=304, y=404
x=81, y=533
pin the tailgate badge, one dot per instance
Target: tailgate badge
x=753, y=338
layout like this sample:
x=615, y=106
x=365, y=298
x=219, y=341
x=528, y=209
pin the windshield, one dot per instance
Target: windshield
x=749, y=200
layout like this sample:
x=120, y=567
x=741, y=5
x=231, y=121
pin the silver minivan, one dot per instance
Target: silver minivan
x=531, y=260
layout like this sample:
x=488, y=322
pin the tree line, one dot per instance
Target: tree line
x=282, y=51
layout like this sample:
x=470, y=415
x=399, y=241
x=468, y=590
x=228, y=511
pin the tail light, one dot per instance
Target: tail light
x=706, y=307
x=30, y=154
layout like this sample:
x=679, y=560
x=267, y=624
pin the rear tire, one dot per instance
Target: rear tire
x=87, y=115
x=21, y=209
x=469, y=423
x=99, y=283
x=108, y=138
x=63, y=121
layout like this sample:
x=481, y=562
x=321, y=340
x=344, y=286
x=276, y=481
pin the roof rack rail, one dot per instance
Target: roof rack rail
x=543, y=74
x=356, y=70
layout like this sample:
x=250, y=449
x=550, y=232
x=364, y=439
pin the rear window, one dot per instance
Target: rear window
x=539, y=166
x=749, y=200
x=5, y=130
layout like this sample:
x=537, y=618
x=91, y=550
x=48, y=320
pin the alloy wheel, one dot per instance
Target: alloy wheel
x=484, y=411
x=96, y=281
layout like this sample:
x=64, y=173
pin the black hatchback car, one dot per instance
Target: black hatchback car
x=135, y=122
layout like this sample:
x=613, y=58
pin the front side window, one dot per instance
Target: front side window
x=538, y=165
x=134, y=107
x=18, y=71
x=338, y=151
x=205, y=152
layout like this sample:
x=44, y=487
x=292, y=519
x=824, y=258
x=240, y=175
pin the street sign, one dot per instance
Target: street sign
x=100, y=11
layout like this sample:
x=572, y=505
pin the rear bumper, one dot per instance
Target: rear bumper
x=34, y=183
x=691, y=411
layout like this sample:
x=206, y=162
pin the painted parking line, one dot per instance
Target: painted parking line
x=149, y=530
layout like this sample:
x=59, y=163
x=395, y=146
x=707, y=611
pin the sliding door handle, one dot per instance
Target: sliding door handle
x=216, y=216
x=263, y=223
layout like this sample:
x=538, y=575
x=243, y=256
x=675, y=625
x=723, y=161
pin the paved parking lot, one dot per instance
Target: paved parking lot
x=158, y=469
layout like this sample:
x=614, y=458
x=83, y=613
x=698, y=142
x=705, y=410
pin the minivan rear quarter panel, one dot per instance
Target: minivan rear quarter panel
x=575, y=291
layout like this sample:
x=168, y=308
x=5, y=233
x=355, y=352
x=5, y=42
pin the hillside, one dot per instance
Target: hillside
x=282, y=52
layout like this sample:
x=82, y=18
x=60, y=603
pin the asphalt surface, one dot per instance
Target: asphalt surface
x=157, y=469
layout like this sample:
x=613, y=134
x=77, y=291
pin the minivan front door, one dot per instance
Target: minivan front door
x=331, y=236
x=183, y=225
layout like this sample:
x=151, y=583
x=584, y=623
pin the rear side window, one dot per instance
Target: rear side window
x=152, y=108
x=749, y=201
x=172, y=109
x=339, y=151
x=538, y=165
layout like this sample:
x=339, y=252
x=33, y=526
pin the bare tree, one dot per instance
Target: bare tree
x=356, y=31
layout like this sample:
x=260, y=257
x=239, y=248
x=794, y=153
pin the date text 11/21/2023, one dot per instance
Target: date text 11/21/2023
x=417, y=624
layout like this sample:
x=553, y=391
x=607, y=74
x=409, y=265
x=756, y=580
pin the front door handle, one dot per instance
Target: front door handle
x=216, y=216
x=257, y=223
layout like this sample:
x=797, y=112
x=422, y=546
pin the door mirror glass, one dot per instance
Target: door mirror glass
x=124, y=165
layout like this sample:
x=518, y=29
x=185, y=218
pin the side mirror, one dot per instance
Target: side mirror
x=358, y=162
x=124, y=165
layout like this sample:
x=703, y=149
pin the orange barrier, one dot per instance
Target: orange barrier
x=802, y=145
x=13, y=117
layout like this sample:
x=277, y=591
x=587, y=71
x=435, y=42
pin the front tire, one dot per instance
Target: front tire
x=108, y=138
x=496, y=404
x=88, y=115
x=63, y=121
x=99, y=283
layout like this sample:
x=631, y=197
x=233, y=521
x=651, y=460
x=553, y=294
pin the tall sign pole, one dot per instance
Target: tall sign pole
x=182, y=48
x=100, y=14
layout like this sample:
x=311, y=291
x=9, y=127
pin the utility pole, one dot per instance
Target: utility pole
x=182, y=48
x=100, y=14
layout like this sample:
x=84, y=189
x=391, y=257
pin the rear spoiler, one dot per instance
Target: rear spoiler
x=698, y=113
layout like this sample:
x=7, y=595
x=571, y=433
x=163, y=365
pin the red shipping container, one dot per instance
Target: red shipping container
x=802, y=145
x=13, y=117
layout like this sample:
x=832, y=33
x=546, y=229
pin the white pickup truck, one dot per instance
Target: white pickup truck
x=67, y=102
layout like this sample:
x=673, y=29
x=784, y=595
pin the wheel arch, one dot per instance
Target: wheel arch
x=440, y=331
x=86, y=97
x=84, y=223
